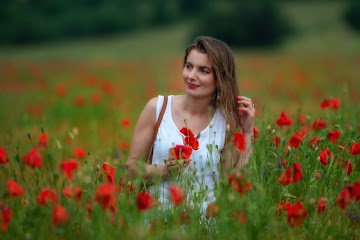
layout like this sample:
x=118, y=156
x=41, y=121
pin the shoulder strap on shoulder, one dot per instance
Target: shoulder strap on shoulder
x=157, y=125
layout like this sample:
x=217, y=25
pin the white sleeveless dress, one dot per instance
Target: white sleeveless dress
x=203, y=171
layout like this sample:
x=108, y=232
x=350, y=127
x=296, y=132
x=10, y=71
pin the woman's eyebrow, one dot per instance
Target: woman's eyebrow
x=187, y=62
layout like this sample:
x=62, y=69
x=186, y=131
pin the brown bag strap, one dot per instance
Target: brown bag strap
x=157, y=125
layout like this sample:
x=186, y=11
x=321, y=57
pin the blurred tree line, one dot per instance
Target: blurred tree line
x=238, y=22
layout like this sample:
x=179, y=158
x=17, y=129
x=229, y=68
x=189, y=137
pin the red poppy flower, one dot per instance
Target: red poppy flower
x=355, y=149
x=239, y=141
x=126, y=123
x=314, y=141
x=14, y=189
x=325, y=104
x=284, y=120
x=302, y=118
x=33, y=159
x=124, y=145
x=333, y=136
x=296, y=139
x=239, y=183
x=335, y=104
x=276, y=140
x=3, y=156
x=343, y=199
x=212, y=210
x=5, y=217
x=347, y=166
x=95, y=98
x=319, y=124
x=79, y=101
x=282, y=206
x=326, y=156
x=73, y=193
x=68, y=167
x=60, y=215
x=43, y=140
x=79, y=152
x=239, y=216
x=256, y=132
x=190, y=138
x=291, y=175
x=144, y=201
x=296, y=214
x=354, y=191
x=106, y=196
x=177, y=195
x=321, y=206
x=110, y=172
x=181, y=152
x=60, y=90
x=108, y=88
x=47, y=196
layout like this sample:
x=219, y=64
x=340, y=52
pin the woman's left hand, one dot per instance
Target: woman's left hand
x=247, y=113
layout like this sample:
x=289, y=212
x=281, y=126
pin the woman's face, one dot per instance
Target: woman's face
x=198, y=76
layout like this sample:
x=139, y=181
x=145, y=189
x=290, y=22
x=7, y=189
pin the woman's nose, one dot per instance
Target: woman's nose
x=192, y=73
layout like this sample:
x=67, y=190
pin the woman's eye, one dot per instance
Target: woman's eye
x=188, y=66
x=205, y=71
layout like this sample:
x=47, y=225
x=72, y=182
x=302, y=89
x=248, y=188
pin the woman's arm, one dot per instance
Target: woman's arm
x=141, y=145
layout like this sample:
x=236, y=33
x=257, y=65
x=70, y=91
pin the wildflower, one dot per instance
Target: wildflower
x=212, y=210
x=321, y=206
x=3, y=156
x=5, y=217
x=319, y=124
x=47, y=196
x=335, y=104
x=326, y=156
x=33, y=159
x=238, y=183
x=296, y=139
x=43, y=140
x=347, y=166
x=256, y=132
x=296, y=214
x=276, y=140
x=126, y=123
x=355, y=149
x=284, y=120
x=177, y=195
x=181, y=152
x=68, y=167
x=343, y=199
x=331, y=103
x=282, y=206
x=239, y=216
x=317, y=175
x=190, y=138
x=291, y=175
x=108, y=88
x=79, y=101
x=14, y=189
x=333, y=136
x=60, y=90
x=314, y=141
x=239, y=141
x=73, y=193
x=95, y=98
x=124, y=145
x=60, y=215
x=184, y=217
x=79, y=153
x=144, y=201
x=354, y=191
x=106, y=196
x=110, y=171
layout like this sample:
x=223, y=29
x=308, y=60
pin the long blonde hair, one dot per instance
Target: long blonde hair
x=223, y=65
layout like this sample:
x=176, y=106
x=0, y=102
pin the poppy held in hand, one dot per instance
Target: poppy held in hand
x=190, y=138
x=239, y=141
x=292, y=175
x=33, y=159
x=181, y=152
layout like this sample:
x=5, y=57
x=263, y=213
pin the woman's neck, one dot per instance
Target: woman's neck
x=197, y=106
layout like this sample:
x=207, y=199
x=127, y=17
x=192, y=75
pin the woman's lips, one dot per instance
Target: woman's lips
x=192, y=86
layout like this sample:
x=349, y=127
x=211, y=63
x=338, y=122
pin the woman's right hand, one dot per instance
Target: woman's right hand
x=174, y=166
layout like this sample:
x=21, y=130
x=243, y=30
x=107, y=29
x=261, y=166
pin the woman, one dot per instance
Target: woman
x=211, y=109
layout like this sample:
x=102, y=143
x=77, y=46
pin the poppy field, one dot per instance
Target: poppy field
x=66, y=129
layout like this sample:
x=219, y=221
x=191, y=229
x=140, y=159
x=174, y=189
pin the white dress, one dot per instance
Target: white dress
x=203, y=171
